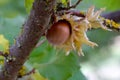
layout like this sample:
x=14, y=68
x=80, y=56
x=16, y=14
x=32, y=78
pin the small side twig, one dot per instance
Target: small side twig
x=27, y=74
x=74, y=6
x=75, y=12
x=72, y=12
x=30, y=72
x=62, y=9
x=40, y=42
x=3, y=54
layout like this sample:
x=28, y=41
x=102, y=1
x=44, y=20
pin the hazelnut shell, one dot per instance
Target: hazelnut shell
x=59, y=32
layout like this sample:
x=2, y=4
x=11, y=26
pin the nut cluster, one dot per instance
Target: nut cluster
x=69, y=32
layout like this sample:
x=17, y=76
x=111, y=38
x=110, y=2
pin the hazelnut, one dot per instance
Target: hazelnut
x=59, y=32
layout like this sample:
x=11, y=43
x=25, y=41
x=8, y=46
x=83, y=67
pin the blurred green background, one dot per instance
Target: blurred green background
x=97, y=64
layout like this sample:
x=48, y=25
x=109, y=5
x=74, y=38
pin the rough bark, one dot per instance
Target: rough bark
x=115, y=16
x=33, y=29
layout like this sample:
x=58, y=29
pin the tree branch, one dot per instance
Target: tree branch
x=115, y=16
x=33, y=29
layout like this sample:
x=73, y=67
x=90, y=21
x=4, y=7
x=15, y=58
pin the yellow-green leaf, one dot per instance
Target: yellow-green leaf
x=37, y=76
x=65, y=2
x=28, y=4
x=1, y=60
x=4, y=44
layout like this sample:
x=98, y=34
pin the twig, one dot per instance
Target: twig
x=30, y=72
x=62, y=9
x=75, y=12
x=72, y=12
x=40, y=42
x=26, y=74
x=1, y=53
x=74, y=6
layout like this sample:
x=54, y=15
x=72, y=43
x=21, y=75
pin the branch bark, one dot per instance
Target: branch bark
x=33, y=29
x=115, y=16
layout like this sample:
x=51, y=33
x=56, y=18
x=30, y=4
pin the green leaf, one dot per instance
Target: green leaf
x=4, y=44
x=37, y=76
x=54, y=65
x=3, y=2
x=64, y=2
x=78, y=76
x=11, y=27
x=28, y=4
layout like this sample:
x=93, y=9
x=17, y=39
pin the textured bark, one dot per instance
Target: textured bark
x=33, y=29
x=115, y=16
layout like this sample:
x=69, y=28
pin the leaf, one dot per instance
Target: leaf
x=64, y=2
x=1, y=60
x=62, y=68
x=37, y=76
x=78, y=76
x=4, y=44
x=3, y=2
x=11, y=27
x=54, y=65
x=28, y=5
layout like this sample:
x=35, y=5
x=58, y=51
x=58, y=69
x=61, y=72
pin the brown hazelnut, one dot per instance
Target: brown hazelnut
x=59, y=32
